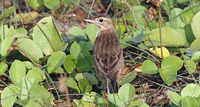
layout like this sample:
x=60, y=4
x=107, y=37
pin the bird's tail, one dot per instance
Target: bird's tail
x=112, y=86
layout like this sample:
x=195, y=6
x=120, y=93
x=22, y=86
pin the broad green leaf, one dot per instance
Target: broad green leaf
x=83, y=103
x=40, y=92
x=78, y=50
x=114, y=98
x=35, y=3
x=28, y=64
x=55, y=61
x=126, y=93
x=36, y=73
x=8, y=96
x=196, y=56
x=172, y=62
x=176, y=16
x=168, y=35
x=187, y=15
x=33, y=103
x=6, y=32
x=76, y=31
x=193, y=47
x=189, y=101
x=175, y=98
x=72, y=84
x=70, y=63
x=85, y=64
x=52, y=4
x=48, y=40
x=30, y=48
x=168, y=75
x=149, y=67
x=195, y=25
x=17, y=71
x=91, y=78
x=128, y=78
x=191, y=90
x=84, y=85
x=138, y=103
x=5, y=46
x=25, y=86
x=189, y=34
x=87, y=76
x=168, y=5
x=3, y=67
x=90, y=96
x=91, y=32
x=139, y=12
x=190, y=66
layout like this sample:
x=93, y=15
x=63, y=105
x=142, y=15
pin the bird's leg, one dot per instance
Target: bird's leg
x=108, y=88
x=104, y=89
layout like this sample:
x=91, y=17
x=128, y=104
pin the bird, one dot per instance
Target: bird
x=108, y=53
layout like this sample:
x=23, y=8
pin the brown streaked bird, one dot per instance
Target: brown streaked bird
x=108, y=53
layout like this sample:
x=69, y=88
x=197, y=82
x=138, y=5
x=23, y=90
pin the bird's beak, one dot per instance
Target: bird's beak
x=90, y=20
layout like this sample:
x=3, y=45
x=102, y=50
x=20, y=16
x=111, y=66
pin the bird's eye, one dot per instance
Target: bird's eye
x=100, y=20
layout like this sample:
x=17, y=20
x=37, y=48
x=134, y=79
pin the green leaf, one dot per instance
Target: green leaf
x=172, y=62
x=138, y=103
x=126, y=93
x=114, y=98
x=193, y=47
x=17, y=71
x=30, y=48
x=196, y=56
x=189, y=101
x=168, y=75
x=70, y=63
x=5, y=46
x=90, y=78
x=40, y=92
x=91, y=32
x=48, y=40
x=55, y=61
x=5, y=32
x=52, y=4
x=25, y=86
x=195, y=25
x=190, y=66
x=36, y=73
x=128, y=78
x=175, y=14
x=3, y=67
x=35, y=3
x=187, y=15
x=191, y=90
x=175, y=98
x=72, y=84
x=76, y=31
x=33, y=103
x=149, y=67
x=8, y=96
x=84, y=86
x=85, y=64
x=28, y=64
x=168, y=35
x=78, y=50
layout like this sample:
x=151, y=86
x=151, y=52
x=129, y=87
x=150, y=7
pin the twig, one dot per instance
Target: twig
x=124, y=20
x=132, y=11
x=160, y=31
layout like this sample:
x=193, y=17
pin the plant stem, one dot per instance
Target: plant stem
x=160, y=31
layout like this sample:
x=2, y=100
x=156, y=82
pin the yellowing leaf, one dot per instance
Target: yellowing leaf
x=157, y=51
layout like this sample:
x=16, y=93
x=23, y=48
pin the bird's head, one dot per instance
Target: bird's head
x=104, y=21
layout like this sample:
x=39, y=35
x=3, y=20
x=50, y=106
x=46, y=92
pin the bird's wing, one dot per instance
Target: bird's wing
x=108, y=56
